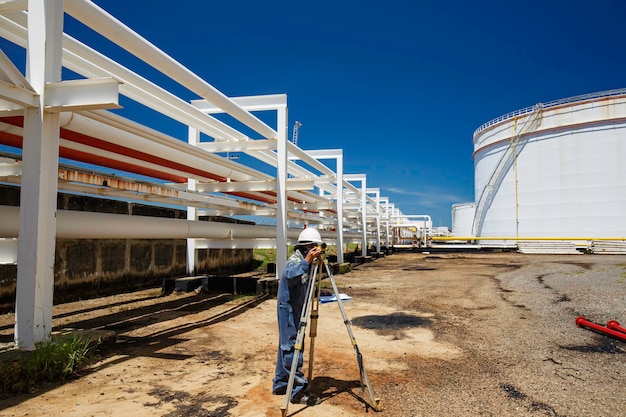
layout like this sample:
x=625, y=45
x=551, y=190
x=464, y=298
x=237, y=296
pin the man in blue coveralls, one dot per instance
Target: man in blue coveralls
x=292, y=294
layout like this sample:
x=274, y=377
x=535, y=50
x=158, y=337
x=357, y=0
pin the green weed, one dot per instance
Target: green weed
x=50, y=361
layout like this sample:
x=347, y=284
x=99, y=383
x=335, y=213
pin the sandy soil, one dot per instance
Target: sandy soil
x=440, y=334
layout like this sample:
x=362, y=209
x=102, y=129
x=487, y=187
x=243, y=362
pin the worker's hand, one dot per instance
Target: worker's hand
x=312, y=254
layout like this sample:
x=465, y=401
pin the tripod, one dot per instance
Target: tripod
x=312, y=309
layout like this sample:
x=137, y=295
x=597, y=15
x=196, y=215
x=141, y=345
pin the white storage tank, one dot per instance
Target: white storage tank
x=462, y=219
x=554, y=170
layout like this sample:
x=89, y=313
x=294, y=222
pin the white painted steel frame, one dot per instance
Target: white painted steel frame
x=46, y=101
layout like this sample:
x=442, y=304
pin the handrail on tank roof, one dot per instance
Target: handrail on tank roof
x=554, y=103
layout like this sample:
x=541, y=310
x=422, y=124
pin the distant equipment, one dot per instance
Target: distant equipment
x=296, y=127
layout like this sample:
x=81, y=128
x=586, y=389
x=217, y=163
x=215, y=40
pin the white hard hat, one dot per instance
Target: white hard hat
x=310, y=235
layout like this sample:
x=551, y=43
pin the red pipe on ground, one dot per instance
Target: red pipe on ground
x=586, y=324
x=614, y=325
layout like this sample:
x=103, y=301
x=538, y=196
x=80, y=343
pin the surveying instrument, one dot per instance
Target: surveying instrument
x=311, y=308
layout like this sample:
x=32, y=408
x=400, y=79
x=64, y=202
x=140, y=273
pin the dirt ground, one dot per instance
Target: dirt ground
x=441, y=335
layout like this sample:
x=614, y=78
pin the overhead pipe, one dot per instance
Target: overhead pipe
x=589, y=325
x=89, y=225
x=614, y=325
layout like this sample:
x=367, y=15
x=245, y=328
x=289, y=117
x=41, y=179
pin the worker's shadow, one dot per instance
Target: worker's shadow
x=331, y=387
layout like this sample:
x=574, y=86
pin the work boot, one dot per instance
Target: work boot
x=306, y=399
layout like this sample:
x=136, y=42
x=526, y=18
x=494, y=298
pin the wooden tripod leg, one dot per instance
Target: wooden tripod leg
x=313, y=330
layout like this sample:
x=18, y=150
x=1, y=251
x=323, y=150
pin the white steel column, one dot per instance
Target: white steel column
x=362, y=179
x=36, y=244
x=192, y=139
x=340, y=257
x=281, y=190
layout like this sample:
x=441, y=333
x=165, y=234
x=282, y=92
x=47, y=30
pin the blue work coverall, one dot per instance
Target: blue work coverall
x=292, y=293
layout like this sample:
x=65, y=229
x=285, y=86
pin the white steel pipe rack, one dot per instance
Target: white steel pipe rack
x=46, y=118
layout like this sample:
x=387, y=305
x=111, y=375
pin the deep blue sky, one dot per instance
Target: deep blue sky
x=400, y=86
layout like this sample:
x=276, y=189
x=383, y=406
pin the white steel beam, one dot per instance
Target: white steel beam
x=108, y=26
x=238, y=146
x=14, y=88
x=12, y=75
x=314, y=206
x=145, y=92
x=85, y=94
x=229, y=187
x=248, y=103
x=16, y=98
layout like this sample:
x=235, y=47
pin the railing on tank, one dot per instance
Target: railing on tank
x=554, y=103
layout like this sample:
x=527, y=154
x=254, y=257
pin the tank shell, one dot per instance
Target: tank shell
x=462, y=219
x=569, y=177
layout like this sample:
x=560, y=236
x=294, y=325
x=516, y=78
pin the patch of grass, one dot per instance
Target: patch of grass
x=51, y=361
x=261, y=257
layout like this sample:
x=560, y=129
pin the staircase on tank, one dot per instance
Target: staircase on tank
x=547, y=247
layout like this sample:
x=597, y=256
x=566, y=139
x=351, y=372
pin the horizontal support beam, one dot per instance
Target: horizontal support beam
x=86, y=94
x=325, y=153
x=270, y=185
x=325, y=180
x=314, y=206
x=249, y=103
x=18, y=96
x=238, y=146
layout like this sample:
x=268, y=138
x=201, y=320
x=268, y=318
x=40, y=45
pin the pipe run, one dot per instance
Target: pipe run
x=614, y=325
x=598, y=328
x=88, y=225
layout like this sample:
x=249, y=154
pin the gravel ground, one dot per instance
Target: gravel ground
x=513, y=317
x=441, y=335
